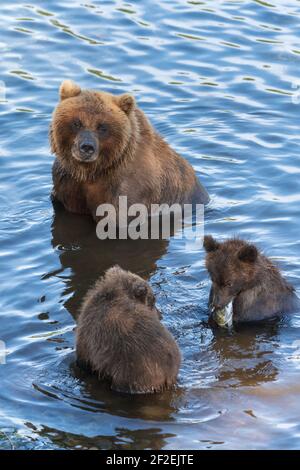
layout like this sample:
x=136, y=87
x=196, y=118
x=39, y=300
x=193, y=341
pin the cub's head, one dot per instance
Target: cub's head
x=90, y=129
x=118, y=284
x=233, y=267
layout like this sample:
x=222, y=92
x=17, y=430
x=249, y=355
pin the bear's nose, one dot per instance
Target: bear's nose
x=87, y=148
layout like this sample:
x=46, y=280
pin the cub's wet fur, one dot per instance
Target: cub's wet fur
x=241, y=274
x=120, y=336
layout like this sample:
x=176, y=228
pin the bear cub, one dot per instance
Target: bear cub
x=105, y=148
x=241, y=274
x=120, y=336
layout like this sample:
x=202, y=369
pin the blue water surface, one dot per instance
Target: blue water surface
x=220, y=81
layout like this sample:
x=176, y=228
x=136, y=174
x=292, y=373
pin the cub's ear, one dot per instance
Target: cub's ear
x=210, y=244
x=68, y=89
x=140, y=291
x=126, y=103
x=248, y=254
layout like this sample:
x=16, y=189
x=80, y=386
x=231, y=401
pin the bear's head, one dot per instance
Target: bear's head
x=234, y=266
x=118, y=284
x=91, y=130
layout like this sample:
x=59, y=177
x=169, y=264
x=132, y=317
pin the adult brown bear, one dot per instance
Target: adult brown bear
x=105, y=147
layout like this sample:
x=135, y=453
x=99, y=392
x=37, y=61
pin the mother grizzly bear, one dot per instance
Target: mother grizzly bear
x=106, y=148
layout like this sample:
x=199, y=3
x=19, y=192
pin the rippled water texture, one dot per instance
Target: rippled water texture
x=220, y=80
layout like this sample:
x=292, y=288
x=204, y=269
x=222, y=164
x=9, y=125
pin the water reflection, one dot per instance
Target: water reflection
x=122, y=439
x=84, y=257
x=98, y=397
x=247, y=355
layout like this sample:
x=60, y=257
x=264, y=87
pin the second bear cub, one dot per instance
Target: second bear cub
x=120, y=336
x=241, y=274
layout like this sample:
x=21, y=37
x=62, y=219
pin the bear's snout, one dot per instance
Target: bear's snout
x=221, y=298
x=85, y=147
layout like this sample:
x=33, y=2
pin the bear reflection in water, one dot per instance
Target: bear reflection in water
x=247, y=355
x=84, y=258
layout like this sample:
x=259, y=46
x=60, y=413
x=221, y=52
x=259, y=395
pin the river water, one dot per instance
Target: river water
x=220, y=81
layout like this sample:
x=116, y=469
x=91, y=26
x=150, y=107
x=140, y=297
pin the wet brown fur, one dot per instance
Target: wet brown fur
x=240, y=272
x=120, y=336
x=133, y=160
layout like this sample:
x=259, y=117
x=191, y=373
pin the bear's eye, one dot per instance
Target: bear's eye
x=228, y=284
x=102, y=128
x=76, y=124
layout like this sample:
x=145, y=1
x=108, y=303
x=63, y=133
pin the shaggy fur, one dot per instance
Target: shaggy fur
x=120, y=336
x=131, y=159
x=242, y=274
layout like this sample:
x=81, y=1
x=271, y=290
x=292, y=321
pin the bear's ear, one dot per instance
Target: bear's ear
x=126, y=103
x=210, y=244
x=68, y=89
x=140, y=291
x=248, y=254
